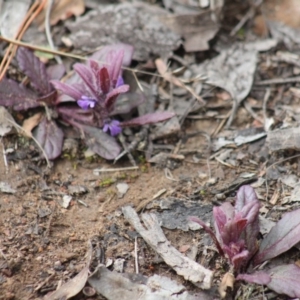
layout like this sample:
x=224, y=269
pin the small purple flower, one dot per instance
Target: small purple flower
x=98, y=88
x=120, y=81
x=86, y=102
x=113, y=126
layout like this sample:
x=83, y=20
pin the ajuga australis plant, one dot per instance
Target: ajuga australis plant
x=236, y=238
x=88, y=103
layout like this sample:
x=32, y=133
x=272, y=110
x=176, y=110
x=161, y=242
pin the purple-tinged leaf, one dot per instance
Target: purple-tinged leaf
x=88, y=78
x=282, y=237
x=77, y=114
x=56, y=72
x=35, y=70
x=248, y=206
x=112, y=96
x=101, y=54
x=50, y=137
x=260, y=277
x=16, y=96
x=104, y=81
x=69, y=90
x=48, y=99
x=114, y=60
x=245, y=195
x=149, y=119
x=209, y=231
x=101, y=143
x=238, y=260
x=285, y=279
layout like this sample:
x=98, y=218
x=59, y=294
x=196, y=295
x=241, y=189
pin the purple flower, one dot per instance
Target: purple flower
x=236, y=227
x=85, y=102
x=113, y=126
x=99, y=87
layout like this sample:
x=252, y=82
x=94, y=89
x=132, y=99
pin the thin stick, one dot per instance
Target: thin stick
x=65, y=54
x=266, y=98
x=136, y=259
x=48, y=31
x=4, y=156
x=116, y=169
x=279, y=81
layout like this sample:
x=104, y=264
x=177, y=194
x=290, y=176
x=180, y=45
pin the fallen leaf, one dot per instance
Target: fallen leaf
x=196, y=28
x=76, y=284
x=12, y=14
x=30, y=123
x=62, y=10
x=226, y=283
x=116, y=23
x=6, y=121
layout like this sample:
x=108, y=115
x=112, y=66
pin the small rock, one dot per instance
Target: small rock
x=77, y=189
x=122, y=189
x=57, y=263
x=66, y=201
x=6, y=188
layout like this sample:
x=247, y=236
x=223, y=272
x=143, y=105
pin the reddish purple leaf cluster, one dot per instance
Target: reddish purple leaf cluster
x=236, y=238
x=237, y=227
x=98, y=89
x=87, y=103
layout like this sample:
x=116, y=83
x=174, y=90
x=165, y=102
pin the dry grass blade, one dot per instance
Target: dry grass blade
x=163, y=71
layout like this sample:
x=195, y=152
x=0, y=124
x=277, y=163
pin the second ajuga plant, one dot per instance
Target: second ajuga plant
x=236, y=238
x=88, y=103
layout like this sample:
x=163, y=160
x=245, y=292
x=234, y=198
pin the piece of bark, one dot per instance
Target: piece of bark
x=155, y=238
x=115, y=286
x=282, y=139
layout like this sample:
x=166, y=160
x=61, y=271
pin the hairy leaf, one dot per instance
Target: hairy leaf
x=104, y=80
x=260, y=277
x=50, y=137
x=101, y=54
x=285, y=279
x=48, y=99
x=71, y=113
x=283, y=236
x=103, y=144
x=35, y=70
x=87, y=77
x=16, y=96
x=67, y=89
x=248, y=206
x=244, y=195
x=112, y=96
x=149, y=119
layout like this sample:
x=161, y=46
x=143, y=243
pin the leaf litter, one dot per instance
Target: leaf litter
x=194, y=85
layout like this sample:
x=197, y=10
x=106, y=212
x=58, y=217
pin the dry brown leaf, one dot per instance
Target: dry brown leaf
x=76, y=284
x=30, y=123
x=163, y=71
x=62, y=10
x=286, y=12
x=227, y=283
x=197, y=29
